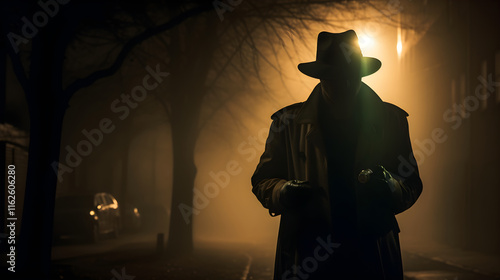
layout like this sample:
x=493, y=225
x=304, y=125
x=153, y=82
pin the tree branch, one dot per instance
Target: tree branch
x=127, y=48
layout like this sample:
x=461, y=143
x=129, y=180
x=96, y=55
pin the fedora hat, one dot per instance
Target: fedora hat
x=337, y=53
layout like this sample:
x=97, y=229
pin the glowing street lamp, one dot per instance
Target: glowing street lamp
x=399, y=45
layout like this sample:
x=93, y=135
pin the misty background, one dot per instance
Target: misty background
x=435, y=55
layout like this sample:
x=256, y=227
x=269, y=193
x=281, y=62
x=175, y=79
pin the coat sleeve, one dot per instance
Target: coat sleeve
x=272, y=171
x=407, y=185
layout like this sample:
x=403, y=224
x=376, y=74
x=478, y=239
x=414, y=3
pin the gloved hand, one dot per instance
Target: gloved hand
x=294, y=194
x=381, y=174
x=379, y=183
x=375, y=201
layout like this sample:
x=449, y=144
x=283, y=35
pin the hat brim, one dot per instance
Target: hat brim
x=321, y=70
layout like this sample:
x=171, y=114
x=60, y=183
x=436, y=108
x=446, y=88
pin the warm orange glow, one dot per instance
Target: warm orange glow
x=399, y=45
x=365, y=41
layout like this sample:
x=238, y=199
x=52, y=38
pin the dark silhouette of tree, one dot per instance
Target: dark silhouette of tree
x=45, y=39
x=200, y=43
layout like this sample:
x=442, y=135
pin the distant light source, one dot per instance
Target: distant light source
x=365, y=41
x=399, y=45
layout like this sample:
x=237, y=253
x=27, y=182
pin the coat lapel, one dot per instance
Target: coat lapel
x=308, y=115
x=370, y=136
x=313, y=146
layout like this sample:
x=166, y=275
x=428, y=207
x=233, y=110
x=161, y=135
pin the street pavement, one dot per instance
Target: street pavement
x=417, y=267
x=134, y=257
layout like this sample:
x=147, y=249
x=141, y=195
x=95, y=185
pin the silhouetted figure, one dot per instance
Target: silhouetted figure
x=337, y=168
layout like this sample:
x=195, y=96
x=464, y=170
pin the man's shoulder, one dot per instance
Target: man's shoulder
x=395, y=109
x=287, y=111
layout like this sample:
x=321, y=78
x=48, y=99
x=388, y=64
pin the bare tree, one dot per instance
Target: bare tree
x=200, y=42
x=205, y=53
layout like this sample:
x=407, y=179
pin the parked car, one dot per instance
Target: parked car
x=89, y=215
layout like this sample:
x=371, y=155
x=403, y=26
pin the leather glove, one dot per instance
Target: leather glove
x=381, y=174
x=380, y=183
x=375, y=201
x=294, y=194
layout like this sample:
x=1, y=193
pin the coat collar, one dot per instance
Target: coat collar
x=370, y=113
x=370, y=106
x=309, y=111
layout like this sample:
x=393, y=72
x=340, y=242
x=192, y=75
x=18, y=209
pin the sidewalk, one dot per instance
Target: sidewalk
x=480, y=263
x=140, y=261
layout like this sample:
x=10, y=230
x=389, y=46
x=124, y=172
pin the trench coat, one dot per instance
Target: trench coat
x=295, y=149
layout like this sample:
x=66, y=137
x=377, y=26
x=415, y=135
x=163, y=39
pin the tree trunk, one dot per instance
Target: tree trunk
x=46, y=107
x=186, y=104
x=35, y=240
x=184, y=134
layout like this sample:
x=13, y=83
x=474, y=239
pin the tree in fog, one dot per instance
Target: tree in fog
x=201, y=44
x=226, y=43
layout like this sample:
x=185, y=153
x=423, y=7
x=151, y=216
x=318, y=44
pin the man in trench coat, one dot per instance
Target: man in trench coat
x=338, y=168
